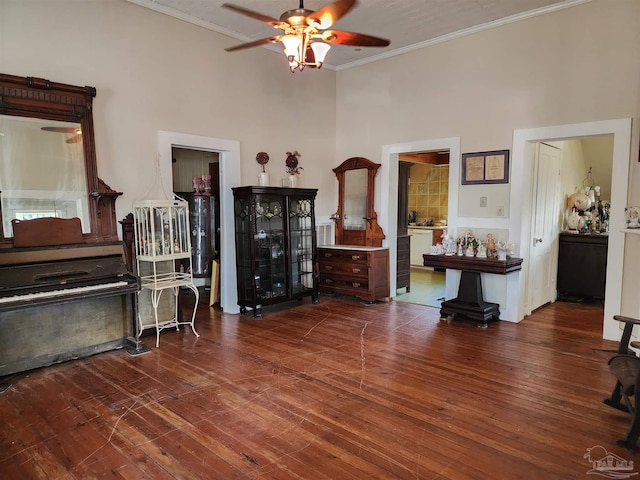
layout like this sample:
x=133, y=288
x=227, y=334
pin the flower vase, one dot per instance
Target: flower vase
x=197, y=183
x=263, y=179
x=206, y=182
x=293, y=181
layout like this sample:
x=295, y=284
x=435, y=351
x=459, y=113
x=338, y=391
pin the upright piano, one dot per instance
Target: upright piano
x=64, y=301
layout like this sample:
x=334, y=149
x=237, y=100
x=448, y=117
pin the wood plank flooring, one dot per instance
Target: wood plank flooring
x=338, y=390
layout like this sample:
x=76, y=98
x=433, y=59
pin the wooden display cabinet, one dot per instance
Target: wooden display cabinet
x=275, y=236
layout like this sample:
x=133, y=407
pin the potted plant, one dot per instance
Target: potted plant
x=293, y=169
x=263, y=178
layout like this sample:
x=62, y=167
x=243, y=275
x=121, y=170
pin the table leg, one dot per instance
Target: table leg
x=470, y=302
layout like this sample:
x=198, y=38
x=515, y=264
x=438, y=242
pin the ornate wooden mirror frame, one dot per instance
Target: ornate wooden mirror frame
x=363, y=231
x=40, y=98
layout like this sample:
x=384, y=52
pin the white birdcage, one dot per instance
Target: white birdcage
x=163, y=258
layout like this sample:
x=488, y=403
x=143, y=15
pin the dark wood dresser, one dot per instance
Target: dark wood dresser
x=403, y=272
x=361, y=272
x=582, y=266
x=403, y=260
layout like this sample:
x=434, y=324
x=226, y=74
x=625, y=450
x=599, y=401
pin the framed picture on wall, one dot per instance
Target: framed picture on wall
x=485, y=167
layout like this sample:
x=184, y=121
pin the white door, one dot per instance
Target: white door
x=546, y=225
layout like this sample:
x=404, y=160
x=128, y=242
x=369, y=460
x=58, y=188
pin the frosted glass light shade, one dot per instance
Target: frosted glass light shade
x=320, y=50
x=291, y=46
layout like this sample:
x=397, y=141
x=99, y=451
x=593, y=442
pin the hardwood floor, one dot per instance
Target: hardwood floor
x=338, y=390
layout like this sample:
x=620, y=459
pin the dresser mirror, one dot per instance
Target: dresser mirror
x=48, y=159
x=355, y=199
x=356, y=220
x=42, y=171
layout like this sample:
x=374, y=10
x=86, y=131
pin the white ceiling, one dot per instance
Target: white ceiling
x=408, y=24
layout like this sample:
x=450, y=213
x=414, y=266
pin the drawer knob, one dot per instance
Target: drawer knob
x=328, y=280
x=355, y=270
x=356, y=284
x=355, y=257
x=328, y=267
x=328, y=255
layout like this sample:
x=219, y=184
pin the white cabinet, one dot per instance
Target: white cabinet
x=421, y=242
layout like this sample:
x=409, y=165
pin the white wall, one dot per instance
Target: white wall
x=597, y=154
x=153, y=72
x=576, y=65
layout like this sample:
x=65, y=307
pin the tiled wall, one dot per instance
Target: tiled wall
x=429, y=191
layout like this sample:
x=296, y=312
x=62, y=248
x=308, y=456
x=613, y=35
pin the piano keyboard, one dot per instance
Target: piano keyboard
x=57, y=293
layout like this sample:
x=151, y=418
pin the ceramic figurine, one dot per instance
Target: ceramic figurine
x=491, y=247
x=502, y=251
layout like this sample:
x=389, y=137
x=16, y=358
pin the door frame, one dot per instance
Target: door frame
x=229, y=155
x=386, y=197
x=521, y=205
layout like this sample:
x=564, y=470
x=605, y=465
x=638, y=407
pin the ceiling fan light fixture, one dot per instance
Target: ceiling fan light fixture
x=305, y=40
x=320, y=50
x=291, y=46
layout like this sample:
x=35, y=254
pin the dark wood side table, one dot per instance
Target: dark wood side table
x=469, y=301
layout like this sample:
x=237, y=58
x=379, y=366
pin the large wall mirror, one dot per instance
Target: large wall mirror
x=48, y=160
x=356, y=219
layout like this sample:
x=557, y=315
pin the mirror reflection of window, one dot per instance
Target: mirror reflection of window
x=355, y=199
x=42, y=171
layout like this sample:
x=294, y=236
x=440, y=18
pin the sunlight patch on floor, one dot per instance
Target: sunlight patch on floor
x=427, y=288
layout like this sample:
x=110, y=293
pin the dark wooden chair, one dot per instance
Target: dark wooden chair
x=626, y=369
x=625, y=366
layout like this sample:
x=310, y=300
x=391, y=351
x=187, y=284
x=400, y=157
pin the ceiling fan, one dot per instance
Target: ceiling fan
x=306, y=37
x=77, y=133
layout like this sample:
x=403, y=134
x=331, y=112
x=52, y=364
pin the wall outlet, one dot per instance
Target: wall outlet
x=483, y=201
x=500, y=211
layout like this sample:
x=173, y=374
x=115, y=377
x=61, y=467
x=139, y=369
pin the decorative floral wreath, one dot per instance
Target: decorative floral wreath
x=292, y=163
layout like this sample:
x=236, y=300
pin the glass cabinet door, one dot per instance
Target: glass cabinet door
x=244, y=249
x=302, y=244
x=270, y=247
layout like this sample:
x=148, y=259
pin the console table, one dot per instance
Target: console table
x=469, y=301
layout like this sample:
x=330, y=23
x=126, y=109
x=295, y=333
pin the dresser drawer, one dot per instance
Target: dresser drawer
x=331, y=280
x=346, y=286
x=350, y=269
x=340, y=256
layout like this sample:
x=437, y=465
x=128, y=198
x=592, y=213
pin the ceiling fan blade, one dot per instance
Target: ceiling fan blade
x=356, y=39
x=60, y=129
x=262, y=41
x=331, y=13
x=74, y=139
x=252, y=14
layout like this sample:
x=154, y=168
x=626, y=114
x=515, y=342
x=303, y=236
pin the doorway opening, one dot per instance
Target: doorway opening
x=423, y=186
x=568, y=260
x=196, y=179
x=229, y=173
x=521, y=207
x=387, y=197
